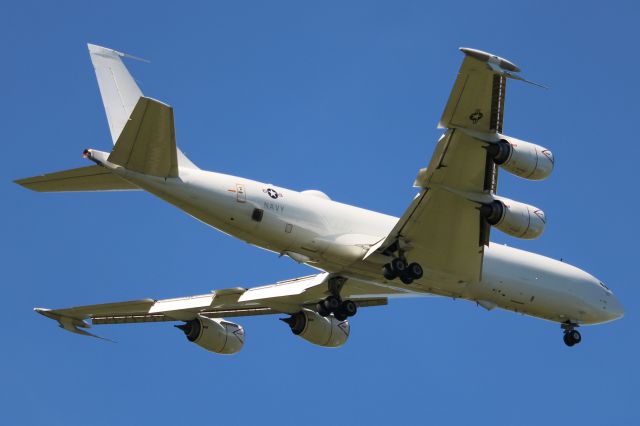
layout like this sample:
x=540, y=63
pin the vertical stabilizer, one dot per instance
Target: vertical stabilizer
x=119, y=91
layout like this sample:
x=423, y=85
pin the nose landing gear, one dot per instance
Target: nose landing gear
x=571, y=335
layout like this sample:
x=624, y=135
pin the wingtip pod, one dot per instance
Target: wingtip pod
x=490, y=58
x=498, y=65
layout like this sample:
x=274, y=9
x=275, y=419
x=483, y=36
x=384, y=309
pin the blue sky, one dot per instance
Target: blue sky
x=338, y=96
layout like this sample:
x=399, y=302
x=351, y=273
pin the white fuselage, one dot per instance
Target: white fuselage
x=311, y=228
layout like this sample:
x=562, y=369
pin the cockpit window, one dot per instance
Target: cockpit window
x=604, y=286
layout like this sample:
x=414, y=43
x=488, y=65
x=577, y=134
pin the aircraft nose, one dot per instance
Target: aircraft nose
x=614, y=308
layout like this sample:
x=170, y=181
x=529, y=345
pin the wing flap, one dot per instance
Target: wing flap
x=281, y=289
x=92, y=178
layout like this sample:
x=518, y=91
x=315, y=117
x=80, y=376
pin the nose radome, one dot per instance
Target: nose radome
x=606, y=307
x=614, y=308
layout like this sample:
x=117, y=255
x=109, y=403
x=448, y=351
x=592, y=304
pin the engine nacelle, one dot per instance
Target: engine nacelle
x=524, y=159
x=516, y=219
x=214, y=334
x=319, y=330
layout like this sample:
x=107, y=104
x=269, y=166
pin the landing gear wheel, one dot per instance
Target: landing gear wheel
x=349, y=307
x=572, y=337
x=415, y=270
x=322, y=311
x=331, y=303
x=340, y=315
x=406, y=277
x=389, y=273
x=567, y=340
x=398, y=265
x=575, y=336
x=394, y=269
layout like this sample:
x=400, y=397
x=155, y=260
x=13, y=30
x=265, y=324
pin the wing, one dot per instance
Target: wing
x=442, y=229
x=282, y=297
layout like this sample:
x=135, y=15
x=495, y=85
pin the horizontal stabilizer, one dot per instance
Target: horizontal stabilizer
x=147, y=143
x=92, y=178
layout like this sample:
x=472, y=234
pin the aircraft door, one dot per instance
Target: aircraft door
x=241, y=194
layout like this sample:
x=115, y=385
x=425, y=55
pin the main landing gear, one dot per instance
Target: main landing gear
x=571, y=335
x=340, y=309
x=334, y=304
x=398, y=267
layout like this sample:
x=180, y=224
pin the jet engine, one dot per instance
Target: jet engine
x=516, y=219
x=524, y=159
x=319, y=330
x=214, y=334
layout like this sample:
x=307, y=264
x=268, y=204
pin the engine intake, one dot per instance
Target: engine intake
x=214, y=334
x=516, y=219
x=319, y=330
x=524, y=159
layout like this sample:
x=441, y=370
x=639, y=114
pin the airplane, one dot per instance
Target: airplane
x=440, y=246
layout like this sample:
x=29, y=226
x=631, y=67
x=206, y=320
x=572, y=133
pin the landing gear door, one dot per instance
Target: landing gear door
x=240, y=193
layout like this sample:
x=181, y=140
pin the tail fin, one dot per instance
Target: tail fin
x=119, y=91
x=92, y=178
